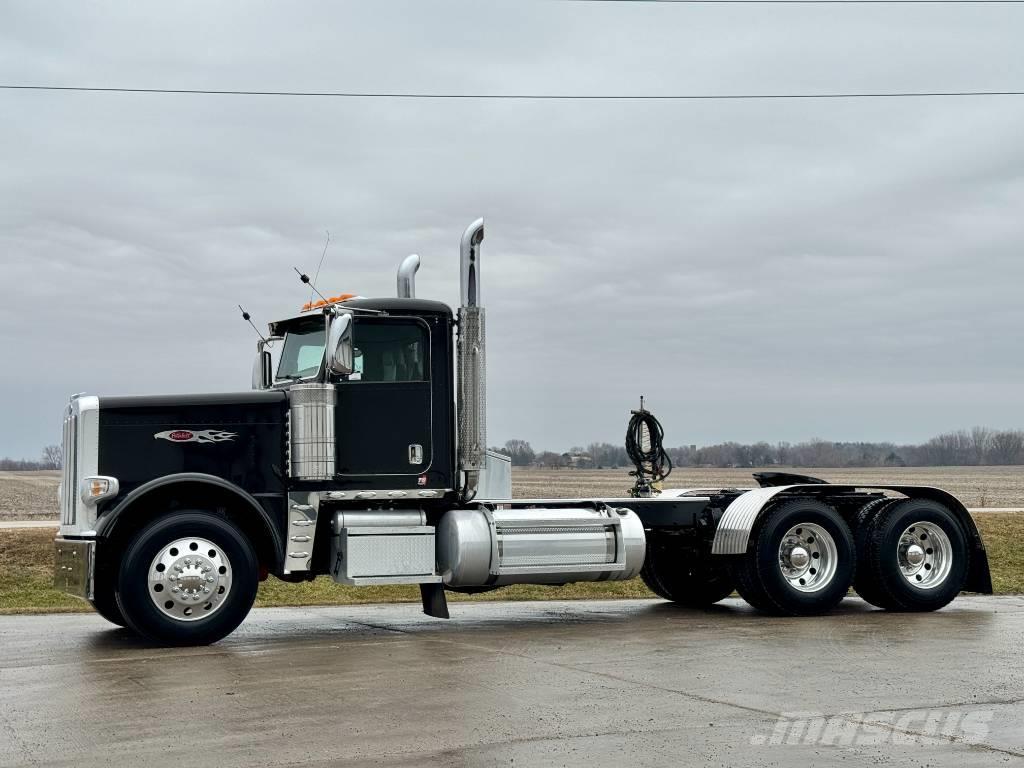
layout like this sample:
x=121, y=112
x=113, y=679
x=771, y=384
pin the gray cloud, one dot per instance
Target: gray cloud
x=773, y=270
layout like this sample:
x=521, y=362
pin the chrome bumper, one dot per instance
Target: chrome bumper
x=73, y=566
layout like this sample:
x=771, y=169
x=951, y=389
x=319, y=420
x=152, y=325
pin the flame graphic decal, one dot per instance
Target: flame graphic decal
x=196, y=436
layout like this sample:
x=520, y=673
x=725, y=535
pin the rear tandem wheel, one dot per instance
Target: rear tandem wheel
x=669, y=573
x=912, y=555
x=801, y=560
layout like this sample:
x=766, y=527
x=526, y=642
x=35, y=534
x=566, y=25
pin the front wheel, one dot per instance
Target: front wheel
x=188, y=578
x=801, y=562
x=104, y=599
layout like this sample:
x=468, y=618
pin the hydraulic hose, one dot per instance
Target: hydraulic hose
x=645, y=448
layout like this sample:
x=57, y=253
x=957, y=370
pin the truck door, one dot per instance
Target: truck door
x=385, y=412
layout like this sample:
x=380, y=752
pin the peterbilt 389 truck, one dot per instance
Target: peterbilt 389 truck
x=362, y=456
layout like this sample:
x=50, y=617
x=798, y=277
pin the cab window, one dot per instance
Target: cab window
x=390, y=351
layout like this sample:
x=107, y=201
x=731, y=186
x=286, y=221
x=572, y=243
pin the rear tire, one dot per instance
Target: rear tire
x=695, y=583
x=801, y=562
x=862, y=526
x=915, y=557
x=188, y=578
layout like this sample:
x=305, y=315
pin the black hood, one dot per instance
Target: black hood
x=238, y=436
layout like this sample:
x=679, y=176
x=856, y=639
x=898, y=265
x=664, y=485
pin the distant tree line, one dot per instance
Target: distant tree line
x=977, y=446
x=52, y=458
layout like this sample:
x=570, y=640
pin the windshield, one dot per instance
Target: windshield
x=303, y=352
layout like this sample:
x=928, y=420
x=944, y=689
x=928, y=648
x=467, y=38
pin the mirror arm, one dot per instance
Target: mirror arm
x=325, y=368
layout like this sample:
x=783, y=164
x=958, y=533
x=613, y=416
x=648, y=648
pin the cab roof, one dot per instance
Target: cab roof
x=392, y=306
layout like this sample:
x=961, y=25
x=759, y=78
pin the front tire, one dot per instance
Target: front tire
x=188, y=578
x=801, y=562
x=915, y=558
x=104, y=599
x=694, y=583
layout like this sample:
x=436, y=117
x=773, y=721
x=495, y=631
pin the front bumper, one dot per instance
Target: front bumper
x=74, y=565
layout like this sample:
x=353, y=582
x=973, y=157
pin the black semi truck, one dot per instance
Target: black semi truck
x=362, y=456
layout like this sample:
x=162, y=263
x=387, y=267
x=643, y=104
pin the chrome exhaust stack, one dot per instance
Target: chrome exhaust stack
x=472, y=370
x=407, y=276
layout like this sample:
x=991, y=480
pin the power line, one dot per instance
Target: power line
x=522, y=96
x=802, y=2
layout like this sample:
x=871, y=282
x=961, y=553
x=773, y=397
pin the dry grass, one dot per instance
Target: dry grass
x=26, y=574
x=1004, y=542
x=26, y=577
x=323, y=591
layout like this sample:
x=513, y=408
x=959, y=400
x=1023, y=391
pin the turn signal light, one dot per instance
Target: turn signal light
x=95, y=489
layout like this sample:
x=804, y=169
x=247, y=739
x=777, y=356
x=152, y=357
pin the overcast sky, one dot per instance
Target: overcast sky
x=772, y=270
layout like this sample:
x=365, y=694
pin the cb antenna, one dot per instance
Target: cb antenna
x=305, y=278
x=318, y=266
x=248, y=318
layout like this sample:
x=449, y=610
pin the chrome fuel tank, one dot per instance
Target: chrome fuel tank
x=553, y=545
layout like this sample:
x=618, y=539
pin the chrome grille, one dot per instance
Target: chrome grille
x=69, y=476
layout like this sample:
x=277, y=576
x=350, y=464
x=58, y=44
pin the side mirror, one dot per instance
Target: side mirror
x=340, y=351
x=261, y=369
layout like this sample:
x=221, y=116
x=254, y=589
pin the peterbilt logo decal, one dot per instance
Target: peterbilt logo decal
x=196, y=436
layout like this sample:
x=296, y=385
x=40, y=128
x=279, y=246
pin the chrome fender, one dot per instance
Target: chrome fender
x=733, y=532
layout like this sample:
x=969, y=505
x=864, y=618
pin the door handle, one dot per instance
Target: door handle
x=416, y=454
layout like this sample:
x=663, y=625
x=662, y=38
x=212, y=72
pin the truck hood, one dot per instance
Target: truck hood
x=238, y=436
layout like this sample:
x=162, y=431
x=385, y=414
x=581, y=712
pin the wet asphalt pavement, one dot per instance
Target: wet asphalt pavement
x=616, y=683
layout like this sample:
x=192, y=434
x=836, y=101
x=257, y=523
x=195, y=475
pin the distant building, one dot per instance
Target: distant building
x=579, y=460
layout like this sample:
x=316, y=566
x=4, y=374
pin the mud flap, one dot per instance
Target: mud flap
x=434, y=601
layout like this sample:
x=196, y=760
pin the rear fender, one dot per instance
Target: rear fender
x=732, y=536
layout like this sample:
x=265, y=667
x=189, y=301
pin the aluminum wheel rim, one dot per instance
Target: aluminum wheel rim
x=808, y=557
x=925, y=555
x=189, y=579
